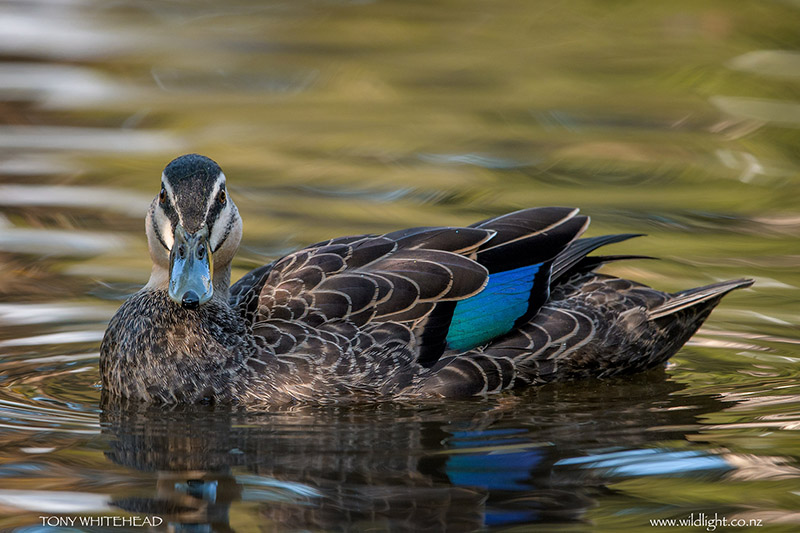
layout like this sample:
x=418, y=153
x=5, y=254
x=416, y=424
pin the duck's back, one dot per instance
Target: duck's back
x=455, y=312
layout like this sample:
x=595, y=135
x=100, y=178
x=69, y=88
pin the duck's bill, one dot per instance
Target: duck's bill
x=190, y=269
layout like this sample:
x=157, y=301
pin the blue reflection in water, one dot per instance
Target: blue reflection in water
x=502, y=470
x=197, y=488
x=494, y=470
x=650, y=462
x=499, y=517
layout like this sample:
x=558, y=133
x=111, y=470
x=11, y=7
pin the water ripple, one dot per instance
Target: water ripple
x=68, y=243
x=117, y=200
x=87, y=139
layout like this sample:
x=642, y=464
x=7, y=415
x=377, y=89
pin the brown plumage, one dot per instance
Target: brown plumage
x=446, y=312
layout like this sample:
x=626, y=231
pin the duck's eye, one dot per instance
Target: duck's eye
x=222, y=197
x=162, y=196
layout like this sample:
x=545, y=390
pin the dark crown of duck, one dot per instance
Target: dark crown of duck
x=193, y=228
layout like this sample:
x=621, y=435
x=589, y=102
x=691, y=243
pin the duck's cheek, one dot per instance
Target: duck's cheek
x=165, y=230
x=225, y=248
x=160, y=237
x=221, y=229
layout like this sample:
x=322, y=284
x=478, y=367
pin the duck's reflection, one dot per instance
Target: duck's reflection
x=539, y=457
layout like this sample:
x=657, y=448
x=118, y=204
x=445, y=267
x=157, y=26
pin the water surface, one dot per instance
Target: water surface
x=680, y=120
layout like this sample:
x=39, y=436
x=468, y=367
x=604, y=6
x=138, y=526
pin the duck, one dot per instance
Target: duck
x=509, y=302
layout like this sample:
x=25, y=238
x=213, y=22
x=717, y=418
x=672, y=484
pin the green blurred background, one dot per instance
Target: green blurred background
x=675, y=119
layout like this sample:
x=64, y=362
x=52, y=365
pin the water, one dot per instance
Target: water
x=676, y=119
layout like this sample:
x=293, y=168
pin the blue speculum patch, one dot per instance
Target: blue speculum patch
x=493, y=311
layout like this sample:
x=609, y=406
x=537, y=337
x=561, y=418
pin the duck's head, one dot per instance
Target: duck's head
x=193, y=231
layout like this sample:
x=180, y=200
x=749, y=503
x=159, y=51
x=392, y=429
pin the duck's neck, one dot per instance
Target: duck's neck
x=222, y=282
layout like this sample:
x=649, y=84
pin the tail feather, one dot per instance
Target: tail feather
x=575, y=336
x=692, y=297
x=515, y=331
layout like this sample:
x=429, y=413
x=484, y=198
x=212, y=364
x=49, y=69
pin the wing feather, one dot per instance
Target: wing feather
x=398, y=276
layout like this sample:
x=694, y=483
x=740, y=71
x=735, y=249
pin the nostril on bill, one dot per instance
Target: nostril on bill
x=190, y=300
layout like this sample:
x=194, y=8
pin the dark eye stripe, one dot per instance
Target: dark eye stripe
x=213, y=213
x=170, y=212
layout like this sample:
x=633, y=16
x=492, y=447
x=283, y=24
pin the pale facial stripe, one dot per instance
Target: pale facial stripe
x=220, y=181
x=163, y=227
x=225, y=222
